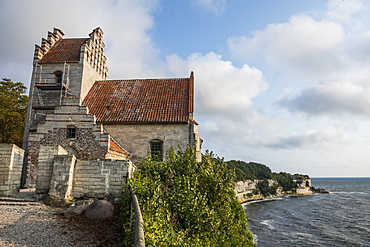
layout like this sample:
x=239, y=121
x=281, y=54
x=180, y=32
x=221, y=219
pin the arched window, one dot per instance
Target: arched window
x=156, y=148
x=58, y=76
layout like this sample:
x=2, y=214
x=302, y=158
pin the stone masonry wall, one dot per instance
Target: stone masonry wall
x=97, y=178
x=45, y=166
x=11, y=160
x=136, y=138
x=63, y=176
x=90, y=143
x=61, y=183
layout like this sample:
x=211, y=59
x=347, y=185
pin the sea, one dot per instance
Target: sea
x=340, y=218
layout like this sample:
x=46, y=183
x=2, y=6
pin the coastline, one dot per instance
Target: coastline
x=261, y=198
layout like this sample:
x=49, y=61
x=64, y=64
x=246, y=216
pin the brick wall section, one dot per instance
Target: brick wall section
x=91, y=141
x=11, y=159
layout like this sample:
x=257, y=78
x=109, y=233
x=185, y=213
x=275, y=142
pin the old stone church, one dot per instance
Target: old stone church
x=83, y=131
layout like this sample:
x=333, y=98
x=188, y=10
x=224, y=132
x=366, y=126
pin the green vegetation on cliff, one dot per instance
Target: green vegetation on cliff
x=255, y=171
x=189, y=203
x=249, y=171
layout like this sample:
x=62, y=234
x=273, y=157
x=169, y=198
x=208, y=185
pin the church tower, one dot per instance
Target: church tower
x=64, y=70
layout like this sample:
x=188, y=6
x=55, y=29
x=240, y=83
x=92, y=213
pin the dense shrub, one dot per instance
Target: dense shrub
x=189, y=203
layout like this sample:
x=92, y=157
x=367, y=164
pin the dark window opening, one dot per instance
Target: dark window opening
x=156, y=147
x=58, y=76
x=71, y=132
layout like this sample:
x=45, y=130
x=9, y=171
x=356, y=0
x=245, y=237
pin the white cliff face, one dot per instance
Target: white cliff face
x=304, y=186
x=245, y=190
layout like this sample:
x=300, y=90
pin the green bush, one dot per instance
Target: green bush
x=186, y=203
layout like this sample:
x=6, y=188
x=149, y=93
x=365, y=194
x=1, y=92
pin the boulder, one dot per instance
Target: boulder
x=57, y=202
x=77, y=208
x=73, y=211
x=99, y=210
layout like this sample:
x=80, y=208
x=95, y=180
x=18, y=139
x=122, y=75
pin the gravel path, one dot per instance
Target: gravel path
x=34, y=224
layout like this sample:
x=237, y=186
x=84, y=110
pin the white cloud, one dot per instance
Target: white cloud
x=214, y=6
x=330, y=54
x=342, y=11
x=221, y=88
x=311, y=139
x=301, y=45
x=331, y=99
x=129, y=49
x=223, y=95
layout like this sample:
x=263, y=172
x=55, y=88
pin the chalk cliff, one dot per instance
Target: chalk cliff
x=248, y=190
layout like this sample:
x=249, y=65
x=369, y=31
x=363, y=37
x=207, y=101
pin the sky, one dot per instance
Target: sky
x=283, y=83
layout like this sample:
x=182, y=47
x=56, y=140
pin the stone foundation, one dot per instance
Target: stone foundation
x=63, y=176
x=11, y=160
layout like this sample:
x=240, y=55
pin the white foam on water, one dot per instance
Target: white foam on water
x=268, y=223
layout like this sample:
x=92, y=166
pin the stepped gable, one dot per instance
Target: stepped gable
x=141, y=100
x=55, y=49
x=65, y=50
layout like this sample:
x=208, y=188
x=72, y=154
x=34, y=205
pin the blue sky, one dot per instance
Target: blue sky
x=284, y=83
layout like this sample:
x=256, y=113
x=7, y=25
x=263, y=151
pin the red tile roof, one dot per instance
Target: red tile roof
x=114, y=146
x=141, y=100
x=65, y=50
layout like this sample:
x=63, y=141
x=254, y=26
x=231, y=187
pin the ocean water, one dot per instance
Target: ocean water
x=340, y=218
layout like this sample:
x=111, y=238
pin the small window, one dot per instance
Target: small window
x=71, y=132
x=58, y=76
x=156, y=147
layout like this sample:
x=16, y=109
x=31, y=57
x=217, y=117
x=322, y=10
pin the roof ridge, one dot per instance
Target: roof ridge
x=145, y=79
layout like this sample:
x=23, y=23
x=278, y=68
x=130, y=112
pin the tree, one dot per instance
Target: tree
x=251, y=170
x=189, y=203
x=285, y=180
x=13, y=109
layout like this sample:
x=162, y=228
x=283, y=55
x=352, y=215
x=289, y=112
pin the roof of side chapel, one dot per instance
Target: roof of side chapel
x=141, y=100
x=64, y=50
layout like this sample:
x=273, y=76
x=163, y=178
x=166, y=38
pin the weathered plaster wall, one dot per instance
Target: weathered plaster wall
x=11, y=160
x=136, y=138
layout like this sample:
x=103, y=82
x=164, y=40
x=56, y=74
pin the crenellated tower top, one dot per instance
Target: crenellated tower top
x=55, y=49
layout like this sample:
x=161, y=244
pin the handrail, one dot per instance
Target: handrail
x=139, y=240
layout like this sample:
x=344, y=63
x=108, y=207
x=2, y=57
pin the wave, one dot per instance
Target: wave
x=350, y=192
x=263, y=200
x=268, y=223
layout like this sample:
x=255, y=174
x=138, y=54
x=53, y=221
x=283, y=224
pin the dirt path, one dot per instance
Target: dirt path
x=35, y=224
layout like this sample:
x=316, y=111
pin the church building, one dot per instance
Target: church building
x=74, y=110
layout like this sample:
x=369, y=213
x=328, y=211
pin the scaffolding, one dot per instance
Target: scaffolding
x=50, y=88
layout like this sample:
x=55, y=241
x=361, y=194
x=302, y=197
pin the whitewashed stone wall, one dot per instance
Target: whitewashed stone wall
x=11, y=160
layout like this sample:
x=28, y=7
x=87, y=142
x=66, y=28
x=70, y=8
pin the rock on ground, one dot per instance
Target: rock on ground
x=99, y=210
